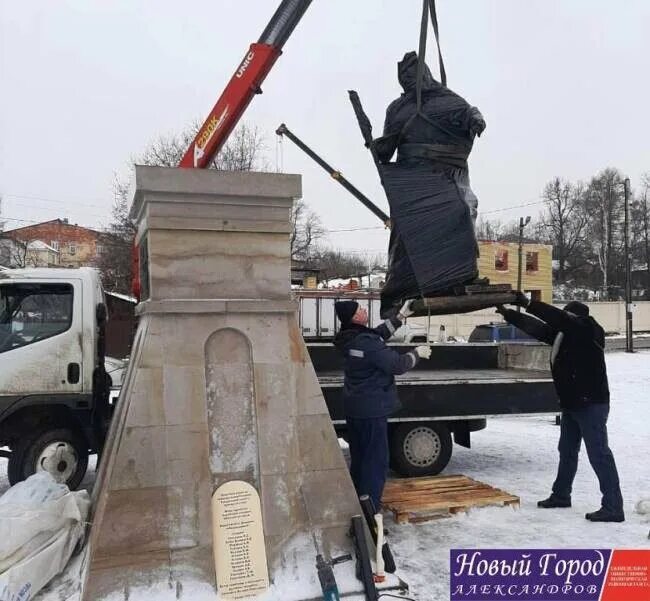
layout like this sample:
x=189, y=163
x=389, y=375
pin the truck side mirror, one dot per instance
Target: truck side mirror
x=100, y=313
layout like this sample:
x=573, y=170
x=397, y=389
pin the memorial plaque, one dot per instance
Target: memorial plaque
x=238, y=541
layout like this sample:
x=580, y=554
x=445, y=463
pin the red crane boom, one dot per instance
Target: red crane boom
x=244, y=84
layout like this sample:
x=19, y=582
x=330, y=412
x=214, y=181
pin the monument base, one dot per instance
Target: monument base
x=220, y=388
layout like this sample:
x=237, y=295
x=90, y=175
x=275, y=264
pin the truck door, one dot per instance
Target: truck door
x=308, y=318
x=327, y=317
x=375, y=312
x=40, y=338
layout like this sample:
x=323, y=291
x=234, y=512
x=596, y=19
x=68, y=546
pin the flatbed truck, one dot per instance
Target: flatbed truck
x=54, y=387
x=449, y=396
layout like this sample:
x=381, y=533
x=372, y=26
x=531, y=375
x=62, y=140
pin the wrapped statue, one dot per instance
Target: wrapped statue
x=440, y=135
x=432, y=245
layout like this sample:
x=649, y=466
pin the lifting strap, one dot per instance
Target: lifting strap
x=428, y=9
x=441, y=62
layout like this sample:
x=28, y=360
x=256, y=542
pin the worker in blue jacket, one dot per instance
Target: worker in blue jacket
x=369, y=392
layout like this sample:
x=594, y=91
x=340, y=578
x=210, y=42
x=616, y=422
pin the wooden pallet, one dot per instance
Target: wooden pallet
x=421, y=499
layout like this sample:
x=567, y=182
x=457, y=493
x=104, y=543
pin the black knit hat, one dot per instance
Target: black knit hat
x=345, y=310
x=577, y=308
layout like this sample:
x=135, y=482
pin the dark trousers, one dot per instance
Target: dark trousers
x=588, y=423
x=368, y=440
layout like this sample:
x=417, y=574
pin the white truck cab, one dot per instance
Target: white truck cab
x=53, y=384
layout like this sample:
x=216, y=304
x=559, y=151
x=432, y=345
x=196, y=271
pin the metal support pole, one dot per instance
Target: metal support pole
x=520, y=259
x=283, y=130
x=629, y=340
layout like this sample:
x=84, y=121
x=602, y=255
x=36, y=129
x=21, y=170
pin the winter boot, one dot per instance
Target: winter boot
x=603, y=515
x=553, y=502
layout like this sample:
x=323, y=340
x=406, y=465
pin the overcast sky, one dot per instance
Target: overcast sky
x=564, y=87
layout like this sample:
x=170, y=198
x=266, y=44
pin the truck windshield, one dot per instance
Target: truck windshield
x=33, y=312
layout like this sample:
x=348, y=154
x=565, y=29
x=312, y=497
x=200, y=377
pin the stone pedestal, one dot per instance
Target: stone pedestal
x=220, y=387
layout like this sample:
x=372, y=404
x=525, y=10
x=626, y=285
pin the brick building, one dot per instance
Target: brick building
x=76, y=246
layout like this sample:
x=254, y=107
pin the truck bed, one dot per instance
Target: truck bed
x=459, y=382
x=443, y=377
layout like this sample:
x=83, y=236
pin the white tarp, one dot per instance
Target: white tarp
x=41, y=523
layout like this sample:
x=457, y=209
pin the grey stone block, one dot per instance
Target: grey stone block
x=319, y=448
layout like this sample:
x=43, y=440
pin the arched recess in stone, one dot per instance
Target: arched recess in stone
x=232, y=423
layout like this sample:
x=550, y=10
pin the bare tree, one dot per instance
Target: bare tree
x=564, y=220
x=13, y=252
x=488, y=229
x=115, y=261
x=334, y=264
x=646, y=228
x=495, y=230
x=604, y=206
x=244, y=150
x=641, y=228
x=306, y=230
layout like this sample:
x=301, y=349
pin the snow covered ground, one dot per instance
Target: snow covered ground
x=519, y=455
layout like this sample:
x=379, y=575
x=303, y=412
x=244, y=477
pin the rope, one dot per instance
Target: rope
x=279, y=154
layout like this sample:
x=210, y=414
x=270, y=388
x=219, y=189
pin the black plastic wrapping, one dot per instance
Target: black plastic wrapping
x=433, y=208
x=432, y=245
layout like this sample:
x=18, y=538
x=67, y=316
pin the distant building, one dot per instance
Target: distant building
x=76, y=246
x=498, y=261
x=39, y=254
x=304, y=274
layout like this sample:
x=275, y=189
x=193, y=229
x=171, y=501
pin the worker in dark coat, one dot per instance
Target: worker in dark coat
x=369, y=391
x=580, y=377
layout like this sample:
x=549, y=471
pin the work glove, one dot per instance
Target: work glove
x=406, y=310
x=521, y=299
x=424, y=352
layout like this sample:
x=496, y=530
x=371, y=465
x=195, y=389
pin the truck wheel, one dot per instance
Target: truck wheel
x=58, y=451
x=420, y=448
